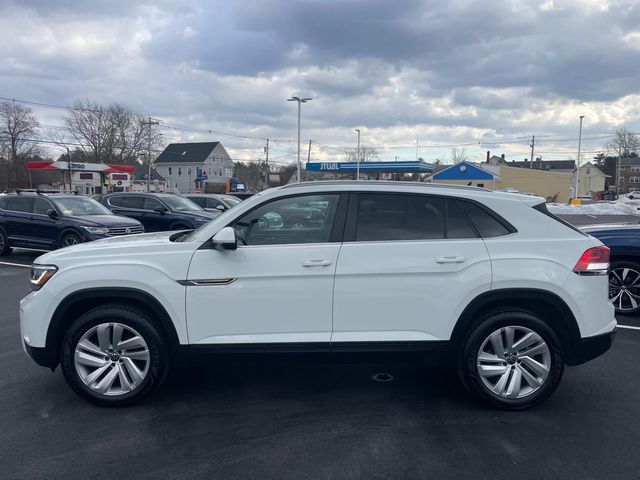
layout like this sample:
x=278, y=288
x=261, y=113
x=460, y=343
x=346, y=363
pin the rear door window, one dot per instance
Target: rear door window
x=20, y=204
x=115, y=201
x=458, y=225
x=133, y=201
x=384, y=217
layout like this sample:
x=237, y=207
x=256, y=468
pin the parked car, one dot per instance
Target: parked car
x=624, y=274
x=633, y=194
x=50, y=221
x=506, y=291
x=158, y=212
x=213, y=202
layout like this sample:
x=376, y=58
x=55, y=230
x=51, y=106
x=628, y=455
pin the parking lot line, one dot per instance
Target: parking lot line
x=629, y=327
x=15, y=264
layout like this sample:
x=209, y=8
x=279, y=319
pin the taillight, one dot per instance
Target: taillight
x=593, y=261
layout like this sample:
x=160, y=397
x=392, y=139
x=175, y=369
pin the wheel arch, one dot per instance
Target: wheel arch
x=82, y=301
x=66, y=230
x=547, y=305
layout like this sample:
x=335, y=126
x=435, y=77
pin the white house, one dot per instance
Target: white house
x=188, y=166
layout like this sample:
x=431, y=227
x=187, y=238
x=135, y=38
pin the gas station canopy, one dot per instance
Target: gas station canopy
x=80, y=166
x=372, y=167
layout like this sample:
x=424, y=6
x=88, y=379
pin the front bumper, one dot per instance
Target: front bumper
x=41, y=355
x=591, y=347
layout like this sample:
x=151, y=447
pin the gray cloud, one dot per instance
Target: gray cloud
x=451, y=70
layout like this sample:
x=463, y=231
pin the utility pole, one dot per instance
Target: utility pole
x=532, y=145
x=577, y=184
x=266, y=164
x=358, y=156
x=69, y=167
x=306, y=172
x=148, y=123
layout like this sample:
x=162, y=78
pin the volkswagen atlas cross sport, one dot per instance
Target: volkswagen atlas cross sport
x=507, y=291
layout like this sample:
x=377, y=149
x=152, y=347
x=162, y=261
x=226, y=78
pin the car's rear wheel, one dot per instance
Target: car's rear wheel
x=512, y=360
x=5, y=249
x=114, y=356
x=624, y=286
x=68, y=239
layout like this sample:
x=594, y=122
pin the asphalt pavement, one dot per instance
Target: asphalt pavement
x=584, y=219
x=299, y=418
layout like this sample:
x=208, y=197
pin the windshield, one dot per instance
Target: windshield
x=231, y=200
x=181, y=204
x=80, y=206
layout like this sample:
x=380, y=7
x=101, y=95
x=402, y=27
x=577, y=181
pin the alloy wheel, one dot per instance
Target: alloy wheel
x=514, y=362
x=112, y=359
x=624, y=288
x=70, y=240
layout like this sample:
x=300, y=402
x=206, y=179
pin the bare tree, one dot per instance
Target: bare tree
x=625, y=144
x=365, y=154
x=18, y=128
x=108, y=134
x=458, y=155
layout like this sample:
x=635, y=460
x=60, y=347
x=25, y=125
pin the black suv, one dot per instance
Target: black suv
x=158, y=212
x=50, y=221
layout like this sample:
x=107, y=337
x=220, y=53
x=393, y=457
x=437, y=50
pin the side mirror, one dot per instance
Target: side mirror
x=225, y=239
x=51, y=213
x=160, y=209
x=222, y=208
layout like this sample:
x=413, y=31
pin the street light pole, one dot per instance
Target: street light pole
x=358, y=156
x=300, y=101
x=575, y=193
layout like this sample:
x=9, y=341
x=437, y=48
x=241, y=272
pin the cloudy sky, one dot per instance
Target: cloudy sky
x=483, y=75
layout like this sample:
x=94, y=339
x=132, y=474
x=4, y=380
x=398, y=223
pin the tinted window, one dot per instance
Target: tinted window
x=301, y=219
x=457, y=224
x=133, y=201
x=80, y=206
x=3, y=202
x=151, y=203
x=399, y=217
x=115, y=201
x=41, y=206
x=485, y=223
x=214, y=202
x=20, y=204
x=200, y=201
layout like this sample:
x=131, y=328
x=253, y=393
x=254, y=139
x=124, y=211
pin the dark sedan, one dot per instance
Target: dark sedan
x=624, y=275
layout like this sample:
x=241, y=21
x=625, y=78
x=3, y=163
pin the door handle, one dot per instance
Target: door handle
x=317, y=263
x=450, y=260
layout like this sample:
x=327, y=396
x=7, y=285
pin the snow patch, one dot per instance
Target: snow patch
x=599, y=208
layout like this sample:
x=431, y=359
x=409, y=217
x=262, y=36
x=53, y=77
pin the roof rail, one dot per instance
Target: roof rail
x=387, y=183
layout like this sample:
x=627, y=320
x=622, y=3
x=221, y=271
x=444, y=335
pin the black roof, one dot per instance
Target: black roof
x=186, y=152
x=141, y=172
x=544, y=164
x=629, y=161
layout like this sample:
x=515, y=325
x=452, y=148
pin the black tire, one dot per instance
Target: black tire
x=468, y=369
x=159, y=360
x=5, y=249
x=615, y=277
x=68, y=238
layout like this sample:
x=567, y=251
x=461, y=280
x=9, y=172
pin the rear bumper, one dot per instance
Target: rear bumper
x=591, y=347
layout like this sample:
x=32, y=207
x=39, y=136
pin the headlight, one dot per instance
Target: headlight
x=97, y=230
x=40, y=274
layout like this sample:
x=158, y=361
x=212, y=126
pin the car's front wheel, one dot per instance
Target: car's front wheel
x=512, y=360
x=68, y=239
x=114, y=356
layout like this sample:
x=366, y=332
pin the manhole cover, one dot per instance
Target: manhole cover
x=382, y=377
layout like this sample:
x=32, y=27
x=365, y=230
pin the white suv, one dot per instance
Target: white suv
x=507, y=291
